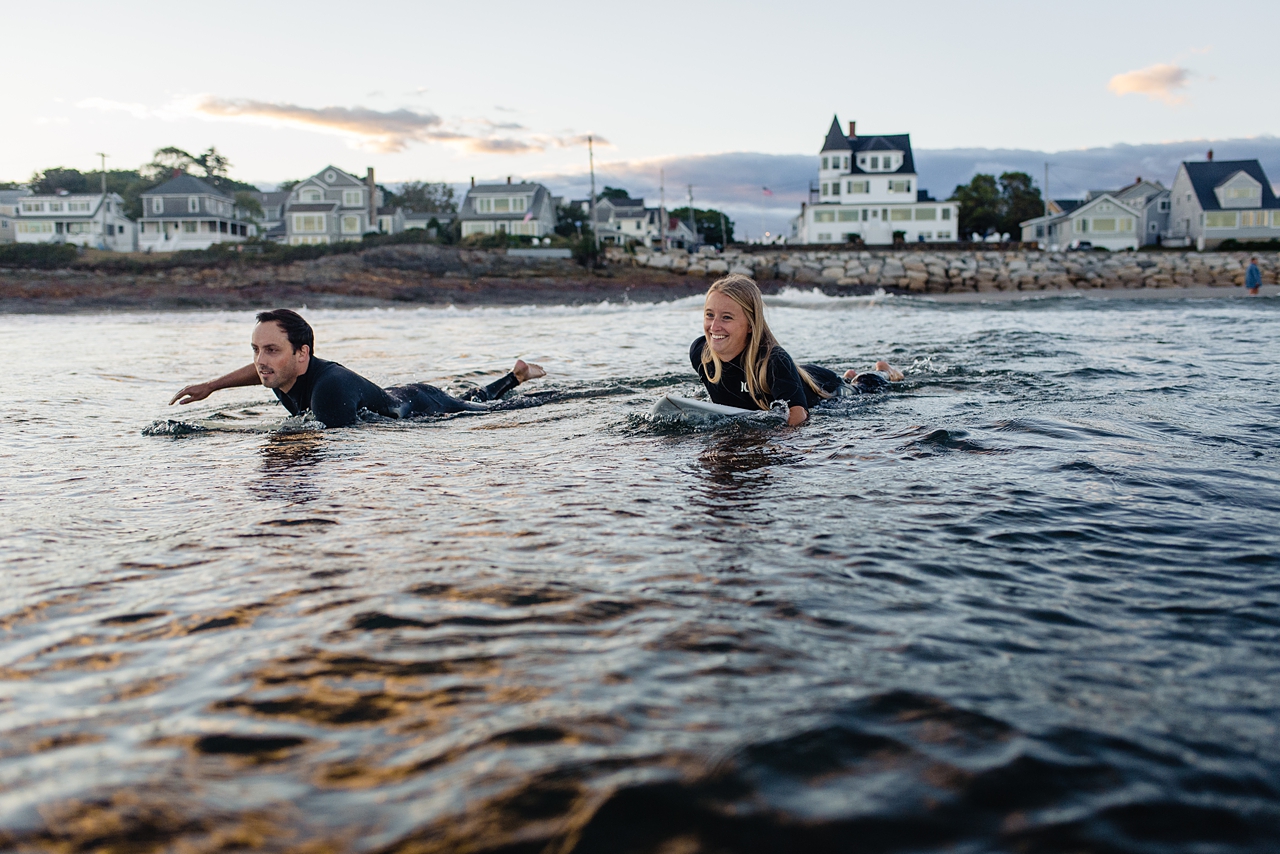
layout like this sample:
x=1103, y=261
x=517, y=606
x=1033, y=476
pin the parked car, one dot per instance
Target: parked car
x=1080, y=245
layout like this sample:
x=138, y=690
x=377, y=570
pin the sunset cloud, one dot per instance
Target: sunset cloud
x=1158, y=82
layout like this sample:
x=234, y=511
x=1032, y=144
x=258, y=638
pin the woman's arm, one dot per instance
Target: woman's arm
x=797, y=415
x=246, y=376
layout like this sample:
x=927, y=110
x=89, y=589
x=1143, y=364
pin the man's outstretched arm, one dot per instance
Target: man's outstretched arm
x=248, y=375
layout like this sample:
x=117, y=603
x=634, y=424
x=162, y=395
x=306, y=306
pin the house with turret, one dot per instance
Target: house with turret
x=868, y=191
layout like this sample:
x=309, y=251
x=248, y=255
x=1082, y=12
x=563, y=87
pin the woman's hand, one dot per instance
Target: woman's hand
x=796, y=416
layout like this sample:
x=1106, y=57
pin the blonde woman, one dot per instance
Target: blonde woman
x=741, y=364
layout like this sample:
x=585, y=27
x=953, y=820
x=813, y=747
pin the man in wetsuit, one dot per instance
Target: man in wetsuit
x=284, y=361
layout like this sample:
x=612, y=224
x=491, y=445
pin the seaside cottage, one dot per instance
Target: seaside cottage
x=271, y=223
x=85, y=219
x=525, y=209
x=187, y=213
x=1151, y=200
x=1219, y=200
x=330, y=206
x=868, y=190
x=9, y=212
x=1101, y=220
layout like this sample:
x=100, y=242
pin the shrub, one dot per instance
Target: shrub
x=42, y=256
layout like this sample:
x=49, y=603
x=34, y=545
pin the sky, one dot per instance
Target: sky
x=728, y=97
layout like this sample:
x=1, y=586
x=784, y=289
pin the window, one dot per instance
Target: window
x=35, y=228
x=470, y=228
x=32, y=207
x=846, y=163
x=824, y=238
x=864, y=214
x=351, y=225
x=1104, y=224
x=189, y=226
x=1220, y=219
x=858, y=186
x=501, y=205
x=309, y=222
x=54, y=207
x=944, y=235
x=1152, y=228
x=862, y=161
x=81, y=206
x=826, y=189
x=157, y=205
x=330, y=177
x=824, y=163
x=875, y=163
x=529, y=229
x=926, y=213
x=899, y=186
x=835, y=188
x=311, y=194
x=1164, y=205
x=900, y=214
x=1243, y=193
x=193, y=204
x=352, y=198
x=1126, y=223
x=848, y=216
x=1252, y=219
x=518, y=204
x=1275, y=219
x=824, y=216
x=946, y=214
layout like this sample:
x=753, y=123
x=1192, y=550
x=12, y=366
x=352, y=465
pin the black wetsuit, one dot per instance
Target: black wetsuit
x=336, y=394
x=784, y=380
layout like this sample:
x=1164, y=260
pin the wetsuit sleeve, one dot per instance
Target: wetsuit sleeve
x=784, y=380
x=695, y=353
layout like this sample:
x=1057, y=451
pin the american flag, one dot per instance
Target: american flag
x=528, y=216
x=768, y=192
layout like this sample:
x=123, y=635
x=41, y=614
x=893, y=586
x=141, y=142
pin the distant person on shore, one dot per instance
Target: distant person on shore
x=1253, y=277
x=284, y=361
x=741, y=363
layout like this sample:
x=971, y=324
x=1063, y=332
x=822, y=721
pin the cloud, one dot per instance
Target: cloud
x=138, y=111
x=387, y=131
x=1157, y=82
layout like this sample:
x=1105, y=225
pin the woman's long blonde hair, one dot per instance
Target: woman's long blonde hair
x=760, y=342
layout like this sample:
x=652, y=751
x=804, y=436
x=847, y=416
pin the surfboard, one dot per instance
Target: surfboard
x=674, y=406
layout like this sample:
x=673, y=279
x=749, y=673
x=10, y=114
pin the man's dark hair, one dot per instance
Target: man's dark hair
x=297, y=330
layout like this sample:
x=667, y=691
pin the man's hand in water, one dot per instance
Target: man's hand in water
x=192, y=393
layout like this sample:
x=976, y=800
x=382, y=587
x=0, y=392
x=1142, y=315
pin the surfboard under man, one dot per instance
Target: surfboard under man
x=284, y=361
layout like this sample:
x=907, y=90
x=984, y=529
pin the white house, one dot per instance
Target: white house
x=868, y=190
x=85, y=219
x=1151, y=200
x=1102, y=221
x=1213, y=201
x=187, y=213
x=9, y=212
x=330, y=206
x=523, y=209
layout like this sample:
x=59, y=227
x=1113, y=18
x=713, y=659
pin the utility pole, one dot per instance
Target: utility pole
x=591, y=205
x=724, y=234
x=103, y=241
x=662, y=207
x=1046, y=204
x=693, y=226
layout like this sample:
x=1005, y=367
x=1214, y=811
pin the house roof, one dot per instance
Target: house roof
x=1206, y=176
x=468, y=211
x=338, y=176
x=273, y=198
x=836, y=140
x=186, y=185
x=9, y=197
x=312, y=207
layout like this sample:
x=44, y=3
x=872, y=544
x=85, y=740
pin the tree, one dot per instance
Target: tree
x=708, y=224
x=613, y=193
x=246, y=202
x=991, y=207
x=424, y=197
x=569, y=219
x=165, y=161
x=60, y=178
x=1022, y=201
x=980, y=205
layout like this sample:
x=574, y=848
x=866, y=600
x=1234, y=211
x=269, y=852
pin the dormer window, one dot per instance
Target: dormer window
x=193, y=204
x=311, y=194
x=875, y=163
x=330, y=177
x=157, y=205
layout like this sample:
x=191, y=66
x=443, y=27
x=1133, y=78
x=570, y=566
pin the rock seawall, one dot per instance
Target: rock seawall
x=972, y=271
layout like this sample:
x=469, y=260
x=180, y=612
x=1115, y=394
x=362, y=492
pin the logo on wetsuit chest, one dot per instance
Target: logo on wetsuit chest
x=744, y=388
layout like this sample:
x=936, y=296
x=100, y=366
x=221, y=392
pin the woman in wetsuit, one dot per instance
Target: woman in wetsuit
x=742, y=365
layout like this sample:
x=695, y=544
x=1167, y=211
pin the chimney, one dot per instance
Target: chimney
x=473, y=182
x=508, y=179
x=1210, y=155
x=373, y=199
x=1138, y=180
x=852, y=130
x=177, y=171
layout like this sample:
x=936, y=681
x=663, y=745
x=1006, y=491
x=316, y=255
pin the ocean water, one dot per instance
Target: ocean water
x=1029, y=600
